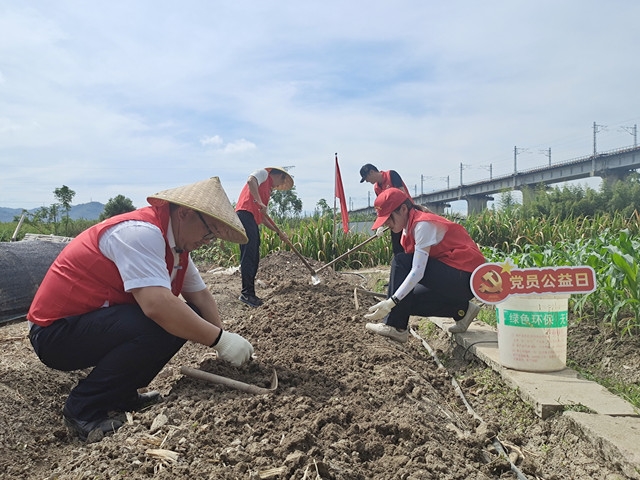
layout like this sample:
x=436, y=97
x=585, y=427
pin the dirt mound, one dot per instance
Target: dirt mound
x=349, y=405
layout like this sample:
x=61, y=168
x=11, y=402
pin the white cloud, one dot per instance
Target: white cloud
x=123, y=98
x=216, y=141
x=241, y=145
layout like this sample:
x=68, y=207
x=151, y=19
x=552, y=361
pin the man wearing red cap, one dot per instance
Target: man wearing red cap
x=432, y=276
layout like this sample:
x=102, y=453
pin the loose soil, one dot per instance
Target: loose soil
x=349, y=404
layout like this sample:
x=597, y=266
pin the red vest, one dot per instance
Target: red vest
x=457, y=249
x=82, y=279
x=246, y=200
x=386, y=183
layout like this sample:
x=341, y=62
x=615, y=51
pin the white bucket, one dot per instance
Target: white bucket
x=532, y=332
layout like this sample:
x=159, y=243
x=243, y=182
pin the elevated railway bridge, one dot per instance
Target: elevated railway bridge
x=611, y=166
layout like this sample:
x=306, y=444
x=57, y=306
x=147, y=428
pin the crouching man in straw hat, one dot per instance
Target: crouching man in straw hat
x=110, y=301
x=432, y=277
x=251, y=207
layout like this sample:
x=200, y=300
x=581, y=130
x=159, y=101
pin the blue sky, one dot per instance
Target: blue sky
x=132, y=98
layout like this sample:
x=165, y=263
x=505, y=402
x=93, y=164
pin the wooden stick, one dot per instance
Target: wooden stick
x=229, y=382
x=350, y=251
x=12, y=339
x=286, y=240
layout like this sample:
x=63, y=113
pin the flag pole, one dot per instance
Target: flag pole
x=343, y=200
x=335, y=197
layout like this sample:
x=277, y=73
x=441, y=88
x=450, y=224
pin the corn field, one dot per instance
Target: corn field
x=607, y=243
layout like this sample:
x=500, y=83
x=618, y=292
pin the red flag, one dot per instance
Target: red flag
x=343, y=201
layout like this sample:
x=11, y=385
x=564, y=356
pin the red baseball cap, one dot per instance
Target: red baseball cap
x=386, y=203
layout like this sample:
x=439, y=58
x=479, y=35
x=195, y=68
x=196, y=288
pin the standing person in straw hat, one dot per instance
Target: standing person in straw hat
x=381, y=181
x=110, y=301
x=432, y=276
x=251, y=206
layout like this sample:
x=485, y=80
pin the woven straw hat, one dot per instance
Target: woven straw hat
x=207, y=197
x=288, y=182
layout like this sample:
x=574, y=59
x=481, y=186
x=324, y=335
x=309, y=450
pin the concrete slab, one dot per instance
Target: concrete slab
x=612, y=424
x=616, y=438
x=547, y=392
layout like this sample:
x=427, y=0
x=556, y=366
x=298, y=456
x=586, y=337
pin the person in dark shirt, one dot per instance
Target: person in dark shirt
x=381, y=181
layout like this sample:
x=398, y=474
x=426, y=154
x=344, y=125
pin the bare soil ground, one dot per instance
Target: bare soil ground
x=349, y=405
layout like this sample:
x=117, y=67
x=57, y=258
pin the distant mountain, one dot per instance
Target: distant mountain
x=88, y=211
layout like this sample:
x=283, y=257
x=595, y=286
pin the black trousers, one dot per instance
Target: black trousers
x=443, y=291
x=249, y=253
x=125, y=348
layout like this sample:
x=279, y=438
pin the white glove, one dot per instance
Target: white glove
x=233, y=348
x=380, y=231
x=380, y=309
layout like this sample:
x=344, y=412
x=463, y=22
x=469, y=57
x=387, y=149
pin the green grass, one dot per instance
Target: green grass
x=629, y=392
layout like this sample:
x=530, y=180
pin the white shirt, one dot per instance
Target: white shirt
x=426, y=234
x=138, y=250
x=260, y=175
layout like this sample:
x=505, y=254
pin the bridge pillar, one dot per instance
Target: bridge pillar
x=610, y=177
x=528, y=195
x=477, y=203
x=437, y=207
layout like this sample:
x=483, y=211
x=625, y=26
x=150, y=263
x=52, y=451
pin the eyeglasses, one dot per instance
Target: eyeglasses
x=209, y=236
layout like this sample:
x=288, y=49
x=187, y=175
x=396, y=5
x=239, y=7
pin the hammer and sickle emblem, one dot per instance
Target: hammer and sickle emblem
x=492, y=283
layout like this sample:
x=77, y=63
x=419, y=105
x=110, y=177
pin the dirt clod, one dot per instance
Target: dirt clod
x=349, y=405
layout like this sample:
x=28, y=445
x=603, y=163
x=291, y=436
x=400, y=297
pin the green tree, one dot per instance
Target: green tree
x=116, y=206
x=41, y=215
x=507, y=202
x=285, y=203
x=624, y=196
x=65, y=196
x=53, y=217
x=322, y=208
x=38, y=219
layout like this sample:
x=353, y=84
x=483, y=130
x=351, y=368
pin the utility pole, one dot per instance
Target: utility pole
x=547, y=153
x=447, y=179
x=596, y=129
x=462, y=165
x=490, y=168
x=369, y=198
x=422, y=179
x=516, y=151
x=633, y=131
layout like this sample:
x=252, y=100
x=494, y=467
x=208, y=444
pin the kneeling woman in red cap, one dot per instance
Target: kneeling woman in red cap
x=432, y=276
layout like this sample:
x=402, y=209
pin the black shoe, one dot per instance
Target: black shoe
x=250, y=300
x=139, y=402
x=96, y=428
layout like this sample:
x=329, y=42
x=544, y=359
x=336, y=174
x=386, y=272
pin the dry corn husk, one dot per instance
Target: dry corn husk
x=272, y=472
x=165, y=456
